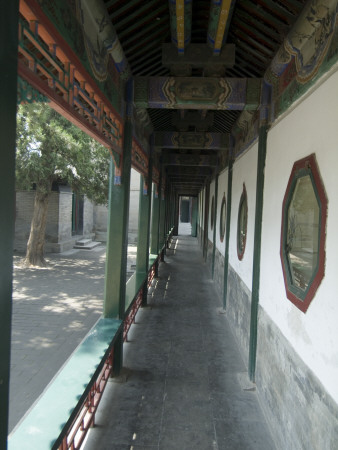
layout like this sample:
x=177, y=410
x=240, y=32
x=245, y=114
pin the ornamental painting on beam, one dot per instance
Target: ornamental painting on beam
x=139, y=159
x=70, y=21
x=309, y=50
x=192, y=140
x=201, y=93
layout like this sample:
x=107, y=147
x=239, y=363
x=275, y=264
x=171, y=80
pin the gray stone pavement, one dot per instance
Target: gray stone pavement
x=184, y=381
x=53, y=309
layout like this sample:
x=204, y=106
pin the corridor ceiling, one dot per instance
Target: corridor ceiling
x=251, y=35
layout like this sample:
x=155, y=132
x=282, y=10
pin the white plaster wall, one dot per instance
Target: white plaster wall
x=312, y=127
x=222, y=190
x=211, y=194
x=244, y=171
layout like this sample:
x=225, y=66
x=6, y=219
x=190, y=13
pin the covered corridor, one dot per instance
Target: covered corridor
x=184, y=381
x=231, y=105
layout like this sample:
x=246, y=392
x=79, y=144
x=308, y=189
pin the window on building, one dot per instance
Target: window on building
x=242, y=224
x=222, y=219
x=303, y=232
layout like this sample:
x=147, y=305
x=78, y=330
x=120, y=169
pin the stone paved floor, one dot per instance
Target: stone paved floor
x=182, y=385
x=53, y=309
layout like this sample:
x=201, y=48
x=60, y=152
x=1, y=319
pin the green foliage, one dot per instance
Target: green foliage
x=50, y=149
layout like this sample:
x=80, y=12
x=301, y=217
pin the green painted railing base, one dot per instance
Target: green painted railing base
x=64, y=396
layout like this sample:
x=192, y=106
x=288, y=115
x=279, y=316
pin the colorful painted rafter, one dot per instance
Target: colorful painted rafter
x=180, y=17
x=219, y=22
x=48, y=64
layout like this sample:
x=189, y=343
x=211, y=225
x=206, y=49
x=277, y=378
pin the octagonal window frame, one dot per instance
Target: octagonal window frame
x=243, y=207
x=302, y=298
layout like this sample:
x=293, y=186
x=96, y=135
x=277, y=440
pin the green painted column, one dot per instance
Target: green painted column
x=194, y=214
x=117, y=232
x=117, y=244
x=206, y=218
x=8, y=92
x=227, y=233
x=162, y=220
x=168, y=214
x=155, y=223
x=214, y=230
x=257, y=250
x=142, y=258
x=176, y=214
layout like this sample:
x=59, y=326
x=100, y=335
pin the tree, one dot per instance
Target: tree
x=50, y=149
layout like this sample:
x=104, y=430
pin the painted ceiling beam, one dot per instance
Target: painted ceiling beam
x=191, y=178
x=219, y=23
x=187, y=193
x=251, y=7
x=141, y=34
x=96, y=19
x=146, y=18
x=180, y=23
x=183, y=120
x=198, y=93
x=250, y=19
x=192, y=140
x=259, y=36
x=189, y=160
x=185, y=172
x=131, y=17
x=189, y=183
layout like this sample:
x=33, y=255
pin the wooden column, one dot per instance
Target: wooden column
x=162, y=232
x=194, y=215
x=117, y=232
x=214, y=230
x=8, y=92
x=155, y=223
x=227, y=233
x=257, y=250
x=206, y=217
x=176, y=213
x=142, y=258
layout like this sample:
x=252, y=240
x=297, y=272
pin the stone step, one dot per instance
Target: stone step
x=86, y=244
x=83, y=242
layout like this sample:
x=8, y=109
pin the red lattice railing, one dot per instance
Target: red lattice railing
x=86, y=417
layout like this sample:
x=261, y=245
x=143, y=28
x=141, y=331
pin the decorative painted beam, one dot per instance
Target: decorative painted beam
x=219, y=23
x=198, y=93
x=101, y=34
x=185, y=171
x=190, y=140
x=190, y=160
x=180, y=21
x=303, y=55
x=139, y=159
x=50, y=65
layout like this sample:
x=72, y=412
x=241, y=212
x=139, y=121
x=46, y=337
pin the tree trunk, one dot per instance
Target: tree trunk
x=36, y=241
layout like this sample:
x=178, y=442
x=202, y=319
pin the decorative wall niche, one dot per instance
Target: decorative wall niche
x=302, y=247
x=242, y=223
